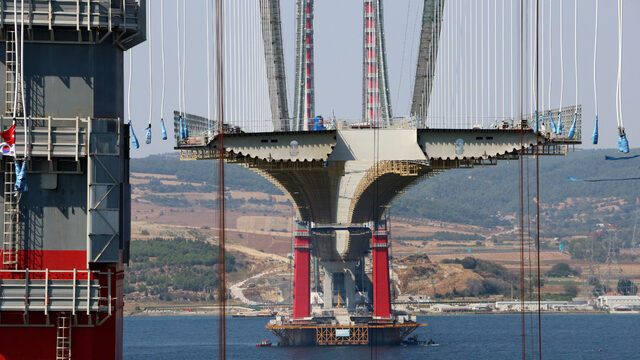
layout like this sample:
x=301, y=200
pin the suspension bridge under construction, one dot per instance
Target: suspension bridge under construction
x=66, y=238
x=342, y=177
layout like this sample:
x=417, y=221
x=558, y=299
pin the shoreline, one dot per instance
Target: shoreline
x=214, y=313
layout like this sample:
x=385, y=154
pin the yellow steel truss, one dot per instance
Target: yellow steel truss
x=326, y=335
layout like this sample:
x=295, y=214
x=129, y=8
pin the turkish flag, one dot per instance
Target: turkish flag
x=9, y=135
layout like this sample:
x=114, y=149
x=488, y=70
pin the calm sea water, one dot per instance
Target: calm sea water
x=591, y=336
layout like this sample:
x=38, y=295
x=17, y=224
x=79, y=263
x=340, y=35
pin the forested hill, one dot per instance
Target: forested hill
x=482, y=195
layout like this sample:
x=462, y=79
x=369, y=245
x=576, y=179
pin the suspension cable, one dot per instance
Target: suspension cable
x=179, y=53
x=148, y=129
x=16, y=62
x=559, y=126
x=208, y=50
x=532, y=11
x=595, y=58
x=468, y=62
x=495, y=59
x=164, y=135
x=594, y=137
x=222, y=287
x=24, y=105
x=521, y=98
x=575, y=48
x=134, y=139
x=184, y=55
x=619, y=80
x=482, y=61
x=511, y=51
x=550, y=47
x=502, y=59
x=540, y=47
x=129, y=86
x=459, y=69
x=538, y=94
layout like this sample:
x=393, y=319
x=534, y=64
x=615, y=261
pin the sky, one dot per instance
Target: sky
x=338, y=68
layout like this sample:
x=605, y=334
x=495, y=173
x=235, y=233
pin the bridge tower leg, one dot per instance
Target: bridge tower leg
x=380, y=254
x=301, y=275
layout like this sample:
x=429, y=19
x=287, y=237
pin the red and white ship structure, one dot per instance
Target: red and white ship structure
x=65, y=240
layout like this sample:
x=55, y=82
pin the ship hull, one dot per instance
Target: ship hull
x=310, y=334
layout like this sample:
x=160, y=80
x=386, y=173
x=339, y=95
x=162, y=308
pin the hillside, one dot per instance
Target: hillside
x=484, y=196
x=176, y=200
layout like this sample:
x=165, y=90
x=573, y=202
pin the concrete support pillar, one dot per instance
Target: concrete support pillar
x=350, y=287
x=301, y=275
x=380, y=255
x=327, y=288
x=329, y=285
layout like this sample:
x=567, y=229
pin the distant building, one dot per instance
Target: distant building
x=413, y=298
x=450, y=308
x=544, y=306
x=618, y=302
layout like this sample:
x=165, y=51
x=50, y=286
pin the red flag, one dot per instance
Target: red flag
x=9, y=135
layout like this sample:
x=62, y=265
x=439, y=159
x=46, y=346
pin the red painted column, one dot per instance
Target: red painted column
x=380, y=254
x=301, y=275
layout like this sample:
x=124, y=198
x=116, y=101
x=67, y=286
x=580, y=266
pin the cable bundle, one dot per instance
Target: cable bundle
x=623, y=143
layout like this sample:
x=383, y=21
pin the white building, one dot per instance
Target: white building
x=413, y=298
x=544, y=306
x=612, y=302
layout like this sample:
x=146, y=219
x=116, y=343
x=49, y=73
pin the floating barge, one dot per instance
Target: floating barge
x=328, y=332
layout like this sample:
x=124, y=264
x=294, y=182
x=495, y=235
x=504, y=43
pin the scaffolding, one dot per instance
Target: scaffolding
x=11, y=217
x=357, y=335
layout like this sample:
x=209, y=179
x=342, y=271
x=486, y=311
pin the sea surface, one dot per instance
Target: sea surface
x=579, y=336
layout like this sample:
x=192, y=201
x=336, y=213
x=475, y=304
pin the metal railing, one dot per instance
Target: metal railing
x=111, y=15
x=52, y=137
x=74, y=291
x=202, y=131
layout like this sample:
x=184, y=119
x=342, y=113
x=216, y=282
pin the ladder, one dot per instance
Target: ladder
x=63, y=338
x=11, y=216
x=11, y=70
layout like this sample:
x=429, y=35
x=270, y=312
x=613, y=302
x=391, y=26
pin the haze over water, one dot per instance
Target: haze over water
x=584, y=336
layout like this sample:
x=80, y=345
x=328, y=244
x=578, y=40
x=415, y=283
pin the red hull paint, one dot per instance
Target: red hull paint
x=37, y=342
x=381, y=295
x=52, y=260
x=301, y=276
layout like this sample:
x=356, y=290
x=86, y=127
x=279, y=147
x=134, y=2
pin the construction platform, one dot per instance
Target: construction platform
x=329, y=332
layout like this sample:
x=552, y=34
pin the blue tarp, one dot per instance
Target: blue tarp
x=553, y=124
x=602, y=180
x=623, y=143
x=134, y=138
x=148, y=135
x=21, y=177
x=164, y=130
x=572, y=130
x=559, y=127
x=607, y=157
x=594, y=137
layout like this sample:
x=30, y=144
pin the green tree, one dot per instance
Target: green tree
x=561, y=270
x=469, y=263
x=571, y=290
x=627, y=287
